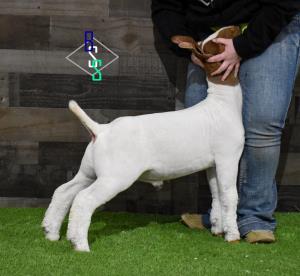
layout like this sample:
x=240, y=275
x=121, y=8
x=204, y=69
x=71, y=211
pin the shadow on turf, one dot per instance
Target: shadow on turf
x=107, y=224
x=115, y=223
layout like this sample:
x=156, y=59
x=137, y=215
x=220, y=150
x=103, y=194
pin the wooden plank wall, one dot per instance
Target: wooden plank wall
x=41, y=143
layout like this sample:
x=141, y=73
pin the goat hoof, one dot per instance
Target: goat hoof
x=83, y=247
x=234, y=242
x=218, y=234
x=232, y=236
x=52, y=236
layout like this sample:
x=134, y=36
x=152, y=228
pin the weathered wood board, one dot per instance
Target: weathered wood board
x=46, y=90
x=55, y=7
x=130, y=8
x=41, y=141
x=55, y=62
x=51, y=124
x=4, y=90
x=47, y=62
x=25, y=32
x=289, y=170
x=128, y=35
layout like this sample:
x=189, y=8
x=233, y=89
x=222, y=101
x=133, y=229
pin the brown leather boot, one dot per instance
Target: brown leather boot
x=193, y=221
x=260, y=236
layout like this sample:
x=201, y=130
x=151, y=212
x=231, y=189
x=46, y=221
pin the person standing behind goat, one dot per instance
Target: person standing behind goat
x=266, y=56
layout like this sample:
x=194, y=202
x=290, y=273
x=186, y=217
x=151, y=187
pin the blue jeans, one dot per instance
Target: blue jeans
x=267, y=83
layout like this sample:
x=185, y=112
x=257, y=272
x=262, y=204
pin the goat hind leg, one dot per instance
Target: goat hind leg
x=60, y=204
x=85, y=203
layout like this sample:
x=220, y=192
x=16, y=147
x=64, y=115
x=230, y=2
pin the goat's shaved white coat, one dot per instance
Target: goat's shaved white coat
x=153, y=148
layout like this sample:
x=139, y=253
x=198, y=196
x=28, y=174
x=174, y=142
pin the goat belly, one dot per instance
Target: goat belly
x=173, y=169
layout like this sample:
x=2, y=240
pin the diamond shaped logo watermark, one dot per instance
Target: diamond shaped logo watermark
x=84, y=60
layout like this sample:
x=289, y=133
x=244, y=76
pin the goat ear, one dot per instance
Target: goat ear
x=212, y=48
x=182, y=38
x=185, y=42
x=186, y=45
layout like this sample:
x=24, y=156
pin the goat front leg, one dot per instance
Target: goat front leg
x=216, y=209
x=227, y=171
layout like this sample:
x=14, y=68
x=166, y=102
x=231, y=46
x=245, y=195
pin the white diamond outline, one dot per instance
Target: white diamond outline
x=78, y=66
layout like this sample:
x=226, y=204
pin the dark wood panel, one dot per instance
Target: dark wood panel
x=145, y=66
x=293, y=117
x=55, y=7
x=291, y=138
x=23, y=202
x=61, y=154
x=134, y=36
x=144, y=198
x=13, y=88
x=49, y=62
x=24, y=32
x=31, y=170
x=30, y=180
x=289, y=169
x=288, y=201
x=4, y=89
x=185, y=194
x=58, y=162
x=51, y=124
x=288, y=198
x=297, y=82
x=297, y=103
x=130, y=8
x=43, y=90
x=24, y=152
x=21, y=174
x=181, y=73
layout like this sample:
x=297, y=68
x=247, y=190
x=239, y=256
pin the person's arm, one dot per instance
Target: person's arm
x=169, y=17
x=265, y=26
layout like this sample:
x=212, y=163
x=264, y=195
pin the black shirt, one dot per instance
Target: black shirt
x=265, y=19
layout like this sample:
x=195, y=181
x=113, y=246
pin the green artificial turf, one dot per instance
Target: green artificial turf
x=135, y=244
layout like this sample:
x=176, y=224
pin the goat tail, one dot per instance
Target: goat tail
x=92, y=127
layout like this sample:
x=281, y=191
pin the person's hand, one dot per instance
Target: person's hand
x=196, y=61
x=230, y=58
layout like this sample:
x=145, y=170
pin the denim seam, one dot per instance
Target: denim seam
x=246, y=229
x=275, y=145
x=257, y=224
x=253, y=222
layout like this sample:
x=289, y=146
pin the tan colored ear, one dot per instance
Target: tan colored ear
x=213, y=48
x=177, y=39
x=185, y=42
x=201, y=54
x=186, y=45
